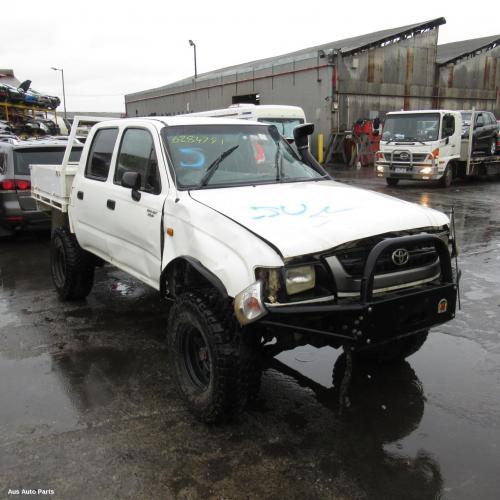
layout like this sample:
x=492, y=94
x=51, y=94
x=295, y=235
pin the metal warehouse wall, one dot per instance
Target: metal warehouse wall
x=336, y=89
x=397, y=76
x=474, y=81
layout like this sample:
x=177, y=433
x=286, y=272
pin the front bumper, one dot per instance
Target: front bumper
x=371, y=320
x=410, y=173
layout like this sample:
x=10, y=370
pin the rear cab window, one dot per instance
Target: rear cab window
x=23, y=158
x=100, y=154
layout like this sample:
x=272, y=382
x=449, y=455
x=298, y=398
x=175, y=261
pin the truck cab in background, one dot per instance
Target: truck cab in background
x=420, y=145
x=437, y=145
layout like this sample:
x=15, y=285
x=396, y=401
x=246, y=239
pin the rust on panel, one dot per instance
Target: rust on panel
x=406, y=102
x=409, y=64
x=486, y=77
x=371, y=65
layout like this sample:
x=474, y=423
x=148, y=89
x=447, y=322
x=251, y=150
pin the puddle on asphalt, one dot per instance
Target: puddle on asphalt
x=49, y=393
x=432, y=421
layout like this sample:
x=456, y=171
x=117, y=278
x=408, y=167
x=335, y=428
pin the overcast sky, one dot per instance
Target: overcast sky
x=111, y=48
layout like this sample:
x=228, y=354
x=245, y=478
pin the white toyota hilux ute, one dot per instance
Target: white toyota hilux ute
x=254, y=247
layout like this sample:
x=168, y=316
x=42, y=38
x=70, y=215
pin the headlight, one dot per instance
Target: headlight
x=248, y=305
x=426, y=170
x=300, y=279
x=380, y=168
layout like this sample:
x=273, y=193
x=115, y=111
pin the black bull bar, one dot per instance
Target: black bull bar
x=370, y=320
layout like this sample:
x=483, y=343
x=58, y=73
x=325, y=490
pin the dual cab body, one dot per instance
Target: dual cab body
x=254, y=244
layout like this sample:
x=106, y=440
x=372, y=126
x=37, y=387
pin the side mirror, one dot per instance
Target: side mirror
x=132, y=180
x=447, y=140
x=301, y=135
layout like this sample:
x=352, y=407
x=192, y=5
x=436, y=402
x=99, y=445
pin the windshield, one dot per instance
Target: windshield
x=285, y=126
x=466, y=117
x=232, y=155
x=23, y=158
x=409, y=127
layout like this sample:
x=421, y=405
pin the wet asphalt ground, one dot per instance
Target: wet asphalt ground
x=88, y=409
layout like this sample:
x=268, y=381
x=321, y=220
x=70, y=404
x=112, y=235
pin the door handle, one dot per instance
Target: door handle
x=111, y=204
x=79, y=195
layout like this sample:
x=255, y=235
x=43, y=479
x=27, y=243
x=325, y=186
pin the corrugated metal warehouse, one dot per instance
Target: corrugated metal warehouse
x=340, y=82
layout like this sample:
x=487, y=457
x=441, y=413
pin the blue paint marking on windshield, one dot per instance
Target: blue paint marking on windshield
x=268, y=212
x=195, y=158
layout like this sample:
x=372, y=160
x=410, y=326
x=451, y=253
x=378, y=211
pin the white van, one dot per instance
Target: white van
x=286, y=118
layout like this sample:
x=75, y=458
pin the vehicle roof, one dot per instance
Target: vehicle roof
x=37, y=143
x=423, y=111
x=179, y=120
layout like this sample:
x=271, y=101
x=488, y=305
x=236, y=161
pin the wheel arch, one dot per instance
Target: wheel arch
x=186, y=271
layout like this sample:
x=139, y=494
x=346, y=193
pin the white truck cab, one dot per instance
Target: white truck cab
x=419, y=145
x=284, y=117
x=253, y=245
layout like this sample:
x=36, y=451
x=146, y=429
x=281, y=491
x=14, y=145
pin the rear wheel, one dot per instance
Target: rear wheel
x=391, y=181
x=393, y=352
x=493, y=147
x=72, y=267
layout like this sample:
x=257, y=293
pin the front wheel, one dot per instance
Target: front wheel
x=206, y=358
x=72, y=267
x=395, y=351
x=447, y=178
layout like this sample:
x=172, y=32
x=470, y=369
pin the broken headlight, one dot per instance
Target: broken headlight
x=299, y=279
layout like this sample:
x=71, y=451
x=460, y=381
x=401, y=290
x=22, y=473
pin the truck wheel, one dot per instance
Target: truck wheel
x=395, y=351
x=391, y=181
x=72, y=267
x=447, y=178
x=206, y=359
x=493, y=147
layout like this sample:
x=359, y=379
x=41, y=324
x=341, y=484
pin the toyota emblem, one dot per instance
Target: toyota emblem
x=400, y=256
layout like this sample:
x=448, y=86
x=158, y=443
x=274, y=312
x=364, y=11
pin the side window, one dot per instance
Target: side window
x=100, y=154
x=3, y=163
x=480, y=120
x=137, y=154
x=448, y=126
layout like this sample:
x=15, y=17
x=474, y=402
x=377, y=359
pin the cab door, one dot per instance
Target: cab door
x=135, y=234
x=90, y=193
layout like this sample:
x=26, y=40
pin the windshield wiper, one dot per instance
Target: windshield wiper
x=412, y=139
x=214, y=165
x=278, y=162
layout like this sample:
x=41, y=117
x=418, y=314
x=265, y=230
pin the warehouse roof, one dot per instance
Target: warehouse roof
x=346, y=46
x=7, y=76
x=449, y=52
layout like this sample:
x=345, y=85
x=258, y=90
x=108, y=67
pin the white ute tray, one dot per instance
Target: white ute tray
x=51, y=186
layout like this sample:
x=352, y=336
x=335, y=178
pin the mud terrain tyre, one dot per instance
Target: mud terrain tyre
x=391, y=181
x=393, y=352
x=72, y=267
x=213, y=370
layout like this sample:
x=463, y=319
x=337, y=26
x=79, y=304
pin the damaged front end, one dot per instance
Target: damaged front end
x=367, y=293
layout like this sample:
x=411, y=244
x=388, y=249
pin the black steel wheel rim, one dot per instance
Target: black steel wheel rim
x=196, y=357
x=59, y=263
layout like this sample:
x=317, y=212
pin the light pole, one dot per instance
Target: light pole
x=64, y=92
x=194, y=47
